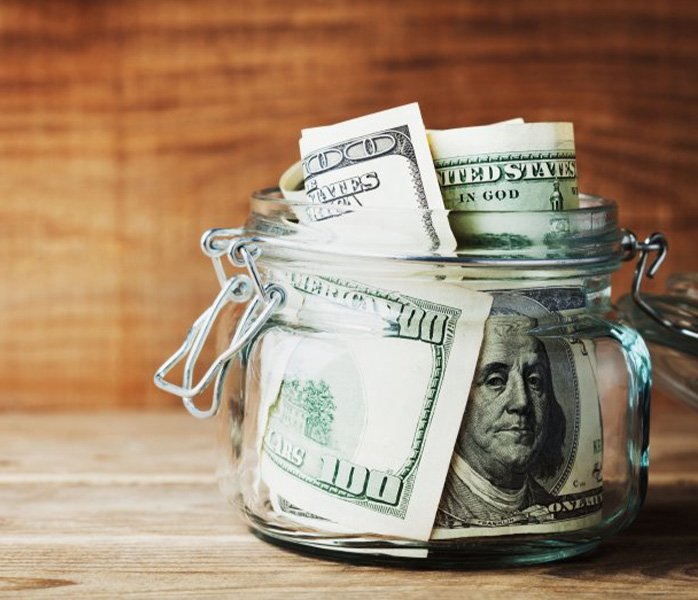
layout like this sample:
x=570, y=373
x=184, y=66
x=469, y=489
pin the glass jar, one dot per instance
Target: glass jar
x=384, y=399
x=669, y=324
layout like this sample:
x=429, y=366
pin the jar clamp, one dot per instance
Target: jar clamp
x=264, y=300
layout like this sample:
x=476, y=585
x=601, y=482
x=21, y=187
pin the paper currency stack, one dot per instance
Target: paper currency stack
x=452, y=419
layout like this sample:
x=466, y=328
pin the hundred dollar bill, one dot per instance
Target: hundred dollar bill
x=529, y=454
x=354, y=438
x=378, y=161
x=507, y=167
x=292, y=181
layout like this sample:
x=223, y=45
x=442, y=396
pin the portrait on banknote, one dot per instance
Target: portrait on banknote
x=519, y=439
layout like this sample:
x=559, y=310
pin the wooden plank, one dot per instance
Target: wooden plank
x=104, y=540
x=655, y=557
x=147, y=520
x=127, y=128
x=107, y=447
x=135, y=510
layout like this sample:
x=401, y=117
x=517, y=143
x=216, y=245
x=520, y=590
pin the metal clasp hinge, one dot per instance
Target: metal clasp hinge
x=633, y=247
x=241, y=252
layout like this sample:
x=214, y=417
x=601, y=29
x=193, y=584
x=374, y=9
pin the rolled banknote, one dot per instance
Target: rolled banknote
x=529, y=454
x=379, y=161
x=507, y=167
x=292, y=183
x=362, y=441
x=495, y=233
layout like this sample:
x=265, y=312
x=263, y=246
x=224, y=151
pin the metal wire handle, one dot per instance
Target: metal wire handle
x=656, y=242
x=241, y=252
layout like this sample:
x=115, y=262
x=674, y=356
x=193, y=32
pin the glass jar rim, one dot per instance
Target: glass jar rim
x=589, y=203
x=587, y=237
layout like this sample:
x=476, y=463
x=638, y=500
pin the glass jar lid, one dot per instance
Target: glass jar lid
x=669, y=324
x=678, y=305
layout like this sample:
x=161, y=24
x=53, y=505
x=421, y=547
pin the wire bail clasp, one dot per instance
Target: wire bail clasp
x=656, y=242
x=264, y=300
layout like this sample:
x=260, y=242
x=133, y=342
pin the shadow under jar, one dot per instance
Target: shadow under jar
x=385, y=401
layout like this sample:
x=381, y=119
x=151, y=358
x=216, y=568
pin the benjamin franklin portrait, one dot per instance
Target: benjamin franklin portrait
x=512, y=436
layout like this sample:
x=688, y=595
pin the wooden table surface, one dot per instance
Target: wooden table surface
x=107, y=504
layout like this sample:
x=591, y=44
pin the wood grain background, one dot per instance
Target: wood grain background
x=129, y=127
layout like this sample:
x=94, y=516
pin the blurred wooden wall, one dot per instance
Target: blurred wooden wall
x=129, y=127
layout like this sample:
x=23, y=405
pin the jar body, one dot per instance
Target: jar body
x=584, y=382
